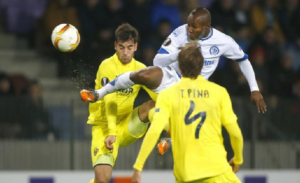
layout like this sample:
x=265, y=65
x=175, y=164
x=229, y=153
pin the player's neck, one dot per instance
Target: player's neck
x=207, y=33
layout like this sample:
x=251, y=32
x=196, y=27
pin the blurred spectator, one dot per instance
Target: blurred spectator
x=242, y=11
x=223, y=15
x=269, y=42
x=138, y=14
x=205, y=3
x=186, y=8
x=92, y=18
x=148, y=53
x=258, y=59
x=282, y=78
x=21, y=18
x=5, y=85
x=37, y=115
x=19, y=84
x=166, y=9
x=57, y=12
x=289, y=16
x=296, y=90
x=95, y=31
x=263, y=15
x=115, y=13
x=243, y=36
x=163, y=30
x=232, y=79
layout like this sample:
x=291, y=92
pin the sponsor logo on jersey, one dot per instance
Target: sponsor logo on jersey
x=177, y=32
x=167, y=42
x=125, y=92
x=214, y=50
x=104, y=81
x=208, y=62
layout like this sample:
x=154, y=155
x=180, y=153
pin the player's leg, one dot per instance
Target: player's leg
x=136, y=124
x=150, y=77
x=102, y=173
x=102, y=158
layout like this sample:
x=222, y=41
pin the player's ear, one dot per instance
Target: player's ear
x=115, y=45
x=135, y=46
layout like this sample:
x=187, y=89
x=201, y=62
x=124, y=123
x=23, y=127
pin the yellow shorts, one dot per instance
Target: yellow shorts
x=128, y=131
x=226, y=177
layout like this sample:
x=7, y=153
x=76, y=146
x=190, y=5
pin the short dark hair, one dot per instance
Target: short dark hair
x=201, y=11
x=126, y=32
x=190, y=60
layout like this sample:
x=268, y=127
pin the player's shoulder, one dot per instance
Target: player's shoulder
x=220, y=36
x=180, y=31
x=216, y=87
x=139, y=65
x=107, y=61
x=107, y=64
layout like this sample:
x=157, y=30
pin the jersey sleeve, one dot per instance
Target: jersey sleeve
x=236, y=140
x=234, y=51
x=227, y=114
x=160, y=119
x=105, y=75
x=169, y=50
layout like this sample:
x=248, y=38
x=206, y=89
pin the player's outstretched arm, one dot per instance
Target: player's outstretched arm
x=236, y=140
x=256, y=96
x=259, y=101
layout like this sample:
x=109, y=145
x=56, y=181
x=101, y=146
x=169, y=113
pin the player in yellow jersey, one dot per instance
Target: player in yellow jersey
x=115, y=122
x=196, y=110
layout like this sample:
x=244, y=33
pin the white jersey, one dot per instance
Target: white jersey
x=213, y=47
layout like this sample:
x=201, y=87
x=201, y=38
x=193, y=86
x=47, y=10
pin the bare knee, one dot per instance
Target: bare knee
x=150, y=77
x=102, y=179
x=102, y=173
x=144, y=110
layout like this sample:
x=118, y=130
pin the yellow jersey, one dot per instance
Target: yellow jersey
x=103, y=111
x=196, y=110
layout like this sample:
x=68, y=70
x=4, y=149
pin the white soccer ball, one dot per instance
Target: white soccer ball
x=65, y=37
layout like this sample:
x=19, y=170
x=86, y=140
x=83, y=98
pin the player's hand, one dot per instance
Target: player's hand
x=109, y=142
x=89, y=95
x=235, y=167
x=259, y=101
x=136, y=177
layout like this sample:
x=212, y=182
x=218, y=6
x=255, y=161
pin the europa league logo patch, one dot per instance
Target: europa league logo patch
x=167, y=42
x=104, y=81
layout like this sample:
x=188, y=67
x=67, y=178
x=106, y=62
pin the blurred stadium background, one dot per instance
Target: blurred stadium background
x=43, y=121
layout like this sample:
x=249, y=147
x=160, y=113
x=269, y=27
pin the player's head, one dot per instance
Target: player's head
x=126, y=37
x=198, y=22
x=190, y=60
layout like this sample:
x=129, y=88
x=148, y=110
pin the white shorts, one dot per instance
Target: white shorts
x=170, y=77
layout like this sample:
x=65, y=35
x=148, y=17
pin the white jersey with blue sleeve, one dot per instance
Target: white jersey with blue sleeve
x=213, y=47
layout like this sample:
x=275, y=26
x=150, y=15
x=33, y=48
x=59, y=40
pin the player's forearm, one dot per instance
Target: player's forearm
x=165, y=59
x=111, y=115
x=150, y=139
x=146, y=148
x=248, y=72
x=236, y=140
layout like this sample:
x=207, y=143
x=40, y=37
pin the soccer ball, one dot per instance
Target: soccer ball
x=65, y=37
